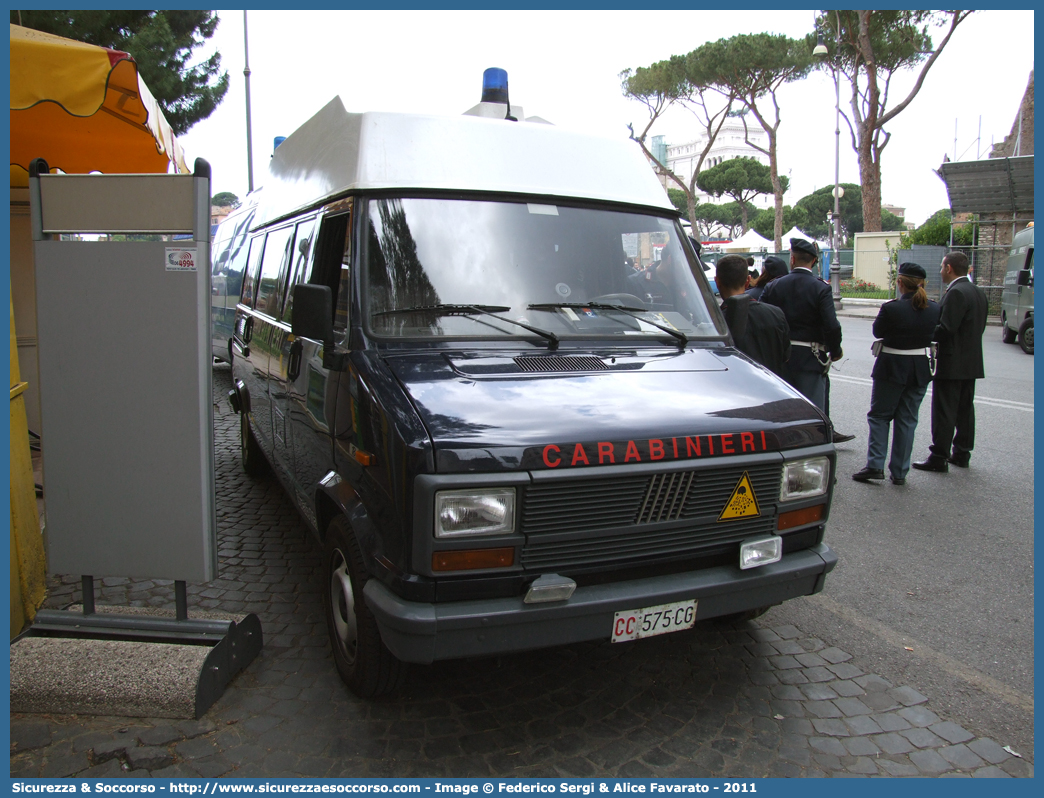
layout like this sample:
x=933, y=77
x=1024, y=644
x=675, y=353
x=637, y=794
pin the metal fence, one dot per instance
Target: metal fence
x=989, y=261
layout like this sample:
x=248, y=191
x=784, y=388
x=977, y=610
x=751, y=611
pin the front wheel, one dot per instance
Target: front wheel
x=1026, y=336
x=366, y=665
x=1008, y=335
x=254, y=463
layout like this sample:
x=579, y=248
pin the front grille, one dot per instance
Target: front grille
x=625, y=520
x=560, y=363
x=665, y=498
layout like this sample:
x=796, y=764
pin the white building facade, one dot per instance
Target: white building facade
x=730, y=143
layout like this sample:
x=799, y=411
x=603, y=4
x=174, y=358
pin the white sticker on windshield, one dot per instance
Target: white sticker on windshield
x=543, y=210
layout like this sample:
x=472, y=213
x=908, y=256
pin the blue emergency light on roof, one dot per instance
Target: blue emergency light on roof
x=495, y=86
x=277, y=141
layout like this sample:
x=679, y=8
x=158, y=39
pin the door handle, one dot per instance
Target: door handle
x=293, y=366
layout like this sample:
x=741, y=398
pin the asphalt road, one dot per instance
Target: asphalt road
x=934, y=587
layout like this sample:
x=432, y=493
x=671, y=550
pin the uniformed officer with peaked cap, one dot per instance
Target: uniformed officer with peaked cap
x=815, y=333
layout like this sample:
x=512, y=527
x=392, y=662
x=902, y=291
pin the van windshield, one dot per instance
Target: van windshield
x=482, y=269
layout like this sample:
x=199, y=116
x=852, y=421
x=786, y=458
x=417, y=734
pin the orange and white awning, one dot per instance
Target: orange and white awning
x=83, y=108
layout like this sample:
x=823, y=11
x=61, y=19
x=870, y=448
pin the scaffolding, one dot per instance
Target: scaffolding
x=998, y=195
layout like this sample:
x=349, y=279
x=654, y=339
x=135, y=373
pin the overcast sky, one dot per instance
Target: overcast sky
x=564, y=67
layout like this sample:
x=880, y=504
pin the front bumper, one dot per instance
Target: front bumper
x=423, y=632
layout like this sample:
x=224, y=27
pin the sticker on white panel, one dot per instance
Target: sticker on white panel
x=180, y=260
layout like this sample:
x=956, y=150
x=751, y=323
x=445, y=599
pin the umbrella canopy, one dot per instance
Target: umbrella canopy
x=83, y=108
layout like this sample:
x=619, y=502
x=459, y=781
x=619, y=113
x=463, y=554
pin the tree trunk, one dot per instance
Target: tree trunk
x=868, y=130
x=870, y=178
x=777, y=193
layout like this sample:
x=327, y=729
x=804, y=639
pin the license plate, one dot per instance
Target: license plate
x=650, y=621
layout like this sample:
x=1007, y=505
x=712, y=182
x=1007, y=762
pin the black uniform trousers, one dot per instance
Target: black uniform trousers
x=953, y=411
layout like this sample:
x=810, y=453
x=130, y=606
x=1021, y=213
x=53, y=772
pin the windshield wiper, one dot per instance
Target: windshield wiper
x=632, y=312
x=444, y=309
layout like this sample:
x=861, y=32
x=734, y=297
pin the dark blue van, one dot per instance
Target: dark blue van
x=484, y=360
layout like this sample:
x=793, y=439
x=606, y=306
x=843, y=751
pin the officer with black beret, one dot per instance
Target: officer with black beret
x=904, y=328
x=815, y=333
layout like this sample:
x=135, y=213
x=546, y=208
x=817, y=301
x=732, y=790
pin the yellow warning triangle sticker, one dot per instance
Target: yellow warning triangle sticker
x=743, y=503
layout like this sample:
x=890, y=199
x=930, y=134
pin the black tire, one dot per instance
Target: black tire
x=366, y=665
x=1008, y=335
x=254, y=463
x=1026, y=336
x=737, y=618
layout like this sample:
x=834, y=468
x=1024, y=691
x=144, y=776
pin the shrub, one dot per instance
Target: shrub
x=859, y=286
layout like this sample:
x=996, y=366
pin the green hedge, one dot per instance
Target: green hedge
x=851, y=293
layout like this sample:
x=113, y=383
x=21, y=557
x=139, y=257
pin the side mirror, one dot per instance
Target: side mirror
x=1025, y=277
x=312, y=314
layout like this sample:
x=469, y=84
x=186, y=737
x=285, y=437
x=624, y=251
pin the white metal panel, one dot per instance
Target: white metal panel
x=118, y=203
x=336, y=151
x=125, y=380
x=128, y=481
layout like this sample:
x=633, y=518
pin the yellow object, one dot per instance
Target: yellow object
x=83, y=108
x=28, y=566
x=743, y=503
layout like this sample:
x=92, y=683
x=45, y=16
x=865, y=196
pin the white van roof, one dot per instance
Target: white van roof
x=335, y=152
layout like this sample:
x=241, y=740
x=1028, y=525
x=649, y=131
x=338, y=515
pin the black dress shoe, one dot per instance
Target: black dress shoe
x=932, y=463
x=898, y=480
x=840, y=437
x=959, y=460
x=868, y=474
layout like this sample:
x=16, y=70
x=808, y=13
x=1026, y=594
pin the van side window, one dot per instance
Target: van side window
x=331, y=267
x=219, y=250
x=301, y=258
x=235, y=264
x=257, y=245
x=344, y=292
x=268, y=293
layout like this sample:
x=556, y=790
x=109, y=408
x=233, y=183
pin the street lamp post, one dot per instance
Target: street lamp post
x=246, y=80
x=835, y=218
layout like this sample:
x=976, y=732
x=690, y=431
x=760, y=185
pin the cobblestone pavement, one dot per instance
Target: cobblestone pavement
x=747, y=701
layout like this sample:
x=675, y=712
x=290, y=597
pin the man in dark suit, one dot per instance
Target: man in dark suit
x=815, y=333
x=962, y=321
x=760, y=331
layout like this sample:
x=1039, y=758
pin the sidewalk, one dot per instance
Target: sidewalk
x=868, y=309
x=861, y=308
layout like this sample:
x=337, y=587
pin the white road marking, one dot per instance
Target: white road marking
x=1007, y=404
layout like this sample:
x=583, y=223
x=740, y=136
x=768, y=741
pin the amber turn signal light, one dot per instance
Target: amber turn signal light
x=471, y=559
x=806, y=515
